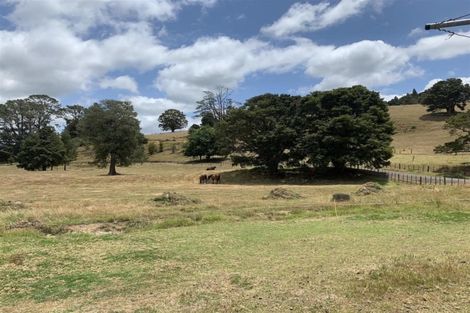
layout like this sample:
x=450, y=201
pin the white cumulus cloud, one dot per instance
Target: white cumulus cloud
x=122, y=82
x=306, y=17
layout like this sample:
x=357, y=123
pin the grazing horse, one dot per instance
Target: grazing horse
x=212, y=168
x=203, y=179
x=214, y=178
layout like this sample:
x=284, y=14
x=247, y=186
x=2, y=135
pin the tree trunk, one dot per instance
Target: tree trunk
x=450, y=109
x=65, y=166
x=112, y=166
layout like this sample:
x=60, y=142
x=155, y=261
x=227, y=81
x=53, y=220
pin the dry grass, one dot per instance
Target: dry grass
x=121, y=252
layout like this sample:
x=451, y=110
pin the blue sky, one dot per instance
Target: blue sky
x=163, y=54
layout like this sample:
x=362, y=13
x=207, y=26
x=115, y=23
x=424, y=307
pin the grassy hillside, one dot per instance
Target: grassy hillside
x=418, y=133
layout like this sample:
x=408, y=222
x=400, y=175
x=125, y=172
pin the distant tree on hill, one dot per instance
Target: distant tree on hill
x=447, y=95
x=113, y=129
x=21, y=117
x=459, y=126
x=41, y=150
x=215, y=104
x=172, y=119
x=410, y=98
x=345, y=127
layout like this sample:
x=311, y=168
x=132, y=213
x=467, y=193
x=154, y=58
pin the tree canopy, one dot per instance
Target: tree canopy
x=261, y=132
x=346, y=127
x=41, y=150
x=447, y=94
x=113, y=130
x=202, y=142
x=172, y=119
x=21, y=117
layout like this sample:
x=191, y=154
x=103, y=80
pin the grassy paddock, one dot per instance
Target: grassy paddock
x=81, y=241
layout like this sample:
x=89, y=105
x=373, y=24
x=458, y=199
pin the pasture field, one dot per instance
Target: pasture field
x=80, y=241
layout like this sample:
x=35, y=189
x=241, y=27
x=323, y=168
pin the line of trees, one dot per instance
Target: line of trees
x=28, y=138
x=340, y=128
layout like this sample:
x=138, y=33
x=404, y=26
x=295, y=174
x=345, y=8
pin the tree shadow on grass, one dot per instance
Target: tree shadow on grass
x=298, y=177
x=436, y=117
x=459, y=171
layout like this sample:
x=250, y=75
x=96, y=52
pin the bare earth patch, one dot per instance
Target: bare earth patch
x=98, y=228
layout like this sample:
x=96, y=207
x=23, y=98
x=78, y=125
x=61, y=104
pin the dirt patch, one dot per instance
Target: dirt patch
x=282, y=193
x=368, y=189
x=173, y=198
x=35, y=224
x=98, y=228
x=11, y=205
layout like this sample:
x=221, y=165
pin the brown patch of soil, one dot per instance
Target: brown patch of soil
x=98, y=228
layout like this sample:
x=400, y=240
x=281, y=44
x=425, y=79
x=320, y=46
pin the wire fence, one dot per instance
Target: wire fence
x=416, y=179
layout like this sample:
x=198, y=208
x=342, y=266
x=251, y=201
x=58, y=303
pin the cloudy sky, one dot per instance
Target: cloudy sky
x=162, y=54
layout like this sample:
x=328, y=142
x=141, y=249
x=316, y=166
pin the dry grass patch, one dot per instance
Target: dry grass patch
x=282, y=193
x=409, y=274
x=173, y=199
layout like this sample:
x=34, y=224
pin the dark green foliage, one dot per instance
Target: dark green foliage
x=21, y=117
x=152, y=148
x=193, y=128
x=447, y=94
x=72, y=115
x=345, y=127
x=172, y=119
x=261, y=132
x=70, y=146
x=201, y=143
x=41, y=150
x=208, y=119
x=458, y=125
x=113, y=129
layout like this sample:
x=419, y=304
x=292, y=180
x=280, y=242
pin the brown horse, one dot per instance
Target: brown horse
x=203, y=179
x=214, y=178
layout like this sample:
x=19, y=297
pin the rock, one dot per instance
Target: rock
x=340, y=197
